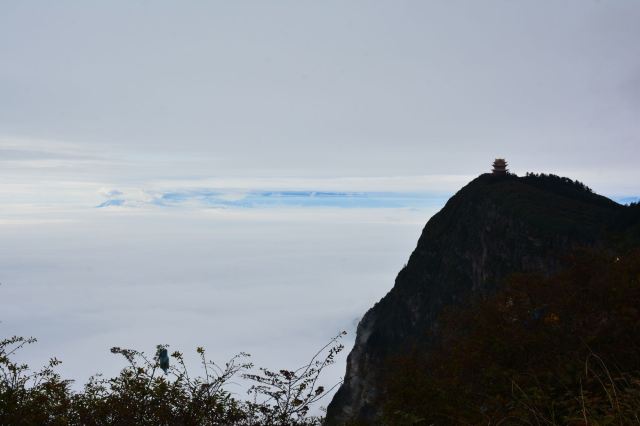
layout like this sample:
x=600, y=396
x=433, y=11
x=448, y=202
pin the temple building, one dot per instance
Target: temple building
x=500, y=167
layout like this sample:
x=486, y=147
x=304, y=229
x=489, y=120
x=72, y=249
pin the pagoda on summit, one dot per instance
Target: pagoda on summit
x=500, y=167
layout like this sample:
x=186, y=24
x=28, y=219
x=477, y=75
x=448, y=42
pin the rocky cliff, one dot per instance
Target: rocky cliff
x=494, y=226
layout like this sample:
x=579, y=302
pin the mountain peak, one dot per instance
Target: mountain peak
x=496, y=225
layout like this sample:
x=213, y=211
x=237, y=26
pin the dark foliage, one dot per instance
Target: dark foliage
x=143, y=394
x=542, y=351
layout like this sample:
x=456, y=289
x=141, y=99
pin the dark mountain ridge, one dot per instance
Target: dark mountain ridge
x=491, y=228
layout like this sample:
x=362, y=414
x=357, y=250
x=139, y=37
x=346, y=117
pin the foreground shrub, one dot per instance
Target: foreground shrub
x=154, y=391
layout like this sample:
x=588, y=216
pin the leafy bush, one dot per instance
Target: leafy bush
x=39, y=397
x=150, y=392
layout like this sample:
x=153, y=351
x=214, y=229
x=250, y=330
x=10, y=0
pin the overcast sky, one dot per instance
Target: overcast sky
x=329, y=88
x=143, y=138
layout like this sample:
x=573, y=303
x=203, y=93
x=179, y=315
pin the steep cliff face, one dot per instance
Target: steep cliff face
x=494, y=226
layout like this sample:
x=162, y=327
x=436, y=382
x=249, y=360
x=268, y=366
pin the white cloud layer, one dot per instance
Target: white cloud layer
x=277, y=288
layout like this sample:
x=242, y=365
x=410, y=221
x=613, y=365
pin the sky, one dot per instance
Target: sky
x=256, y=172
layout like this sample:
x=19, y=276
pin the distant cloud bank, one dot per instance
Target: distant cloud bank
x=204, y=198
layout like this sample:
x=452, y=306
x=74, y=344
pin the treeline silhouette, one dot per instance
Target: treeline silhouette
x=551, y=181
